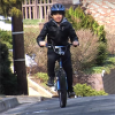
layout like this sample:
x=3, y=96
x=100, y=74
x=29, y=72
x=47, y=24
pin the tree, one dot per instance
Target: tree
x=13, y=8
x=10, y=7
x=8, y=82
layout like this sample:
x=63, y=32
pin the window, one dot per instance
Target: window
x=38, y=1
x=42, y=1
x=50, y=1
x=27, y=1
x=30, y=1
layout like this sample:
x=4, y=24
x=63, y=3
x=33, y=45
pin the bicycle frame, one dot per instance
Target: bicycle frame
x=61, y=53
x=58, y=77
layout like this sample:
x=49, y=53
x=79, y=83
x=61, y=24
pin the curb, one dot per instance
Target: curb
x=7, y=103
x=38, y=88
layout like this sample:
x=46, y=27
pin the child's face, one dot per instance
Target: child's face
x=57, y=17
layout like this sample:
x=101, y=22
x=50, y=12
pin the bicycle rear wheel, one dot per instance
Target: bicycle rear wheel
x=63, y=90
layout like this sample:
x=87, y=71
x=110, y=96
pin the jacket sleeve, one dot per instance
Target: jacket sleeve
x=42, y=35
x=72, y=34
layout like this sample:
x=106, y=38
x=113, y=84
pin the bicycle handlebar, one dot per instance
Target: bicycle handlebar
x=60, y=51
x=50, y=45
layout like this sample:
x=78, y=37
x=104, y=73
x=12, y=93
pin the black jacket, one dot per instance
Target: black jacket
x=57, y=35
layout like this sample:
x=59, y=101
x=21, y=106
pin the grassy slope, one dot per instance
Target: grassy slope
x=31, y=22
x=107, y=66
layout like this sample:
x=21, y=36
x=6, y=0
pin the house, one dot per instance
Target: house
x=103, y=11
x=40, y=9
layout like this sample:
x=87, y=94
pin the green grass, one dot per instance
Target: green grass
x=42, y=76
x=32, y=22
x=6, y=21
x=32, y=29
x=107, y=66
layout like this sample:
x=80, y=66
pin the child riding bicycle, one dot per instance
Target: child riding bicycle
x=58, y=31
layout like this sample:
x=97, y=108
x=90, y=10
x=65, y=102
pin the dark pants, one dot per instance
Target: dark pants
x=66, y=63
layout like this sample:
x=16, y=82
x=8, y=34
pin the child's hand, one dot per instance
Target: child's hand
x=75, y=43
x=42, y=43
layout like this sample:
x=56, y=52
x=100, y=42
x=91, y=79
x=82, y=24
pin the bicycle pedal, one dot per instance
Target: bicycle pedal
x=50, y=85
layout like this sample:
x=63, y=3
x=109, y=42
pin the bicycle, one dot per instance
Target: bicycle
x=61, y=84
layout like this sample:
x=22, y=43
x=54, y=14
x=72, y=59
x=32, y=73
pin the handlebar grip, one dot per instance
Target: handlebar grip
x=48, y=45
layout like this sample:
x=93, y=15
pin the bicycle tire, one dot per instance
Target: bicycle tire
x=63, y=90
x=63, y=99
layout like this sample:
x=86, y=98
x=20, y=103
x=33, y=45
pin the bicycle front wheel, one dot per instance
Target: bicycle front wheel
x=63, y=90
x=63, y=98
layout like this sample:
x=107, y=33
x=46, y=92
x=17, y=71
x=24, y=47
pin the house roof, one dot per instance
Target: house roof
x=103, y=3
x=102, y=10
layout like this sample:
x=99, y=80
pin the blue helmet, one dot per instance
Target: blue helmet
x=57, y=8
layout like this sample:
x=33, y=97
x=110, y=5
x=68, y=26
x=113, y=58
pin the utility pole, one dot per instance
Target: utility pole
x=18, y=53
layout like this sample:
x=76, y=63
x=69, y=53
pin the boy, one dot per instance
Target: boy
x=58, y=30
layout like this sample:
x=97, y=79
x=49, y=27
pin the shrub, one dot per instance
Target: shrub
x=84, y=56
x=111, y=43
x=8, y=81
x=102, y=53
x=6, y=38
x=84, y=90
x=81, y=21
x=31, y=47
x=86, y=22
x=42, y=76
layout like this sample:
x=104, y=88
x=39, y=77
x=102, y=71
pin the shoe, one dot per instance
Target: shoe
x=71, y=94
x=50, y=82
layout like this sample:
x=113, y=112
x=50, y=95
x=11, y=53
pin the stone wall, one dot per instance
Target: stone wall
x=97, y=82
x=109, y=82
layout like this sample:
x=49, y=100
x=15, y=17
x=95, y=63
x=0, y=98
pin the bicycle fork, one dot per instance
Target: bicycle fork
x=58, y=84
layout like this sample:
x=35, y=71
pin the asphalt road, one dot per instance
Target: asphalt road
x=103, y=105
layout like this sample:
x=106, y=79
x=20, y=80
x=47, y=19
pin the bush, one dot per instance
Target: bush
x=42, y=76
x=84, y=90
x=8, y=81
x=81, y=21
x=111, y=43
x=31, y=47
x=84, y=56
x=102, y=54
x=6, y=38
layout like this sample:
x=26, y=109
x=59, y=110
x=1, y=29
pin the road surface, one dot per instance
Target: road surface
x=102, y=105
